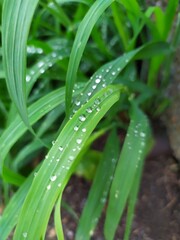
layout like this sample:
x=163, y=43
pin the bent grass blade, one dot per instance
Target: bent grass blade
x=52, y=176
x=16, y=21
x=133, y=153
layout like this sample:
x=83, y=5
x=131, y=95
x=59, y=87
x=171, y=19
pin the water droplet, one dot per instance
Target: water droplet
x=84, y=130
x=40, y=64
x=98, y=109
x=49, y=187
x=28, y=78
x=53, y=143
x=54, y=54
x=94, y=86
x=97, y=80
x=71, y=158
x=113, y=73
x=97, y=101
x=142, y=134
x=79, y=141
x=116, y=194
x=89, y=110
x=25, y=234
x=77, y=103
x=76, y=128
x=89, y=93
x=82, y=118
x=53, y=178
x=42, y=70
x=74, y=149
x=60, y=149
x=35, y=174
x=57, y=159
x=59, y=184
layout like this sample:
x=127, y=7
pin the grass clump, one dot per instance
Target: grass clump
x=72, y=68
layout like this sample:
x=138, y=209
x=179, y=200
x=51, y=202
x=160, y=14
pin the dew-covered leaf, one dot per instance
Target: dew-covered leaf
x=99, y=190
x=132, y=155
x=82, y=36
x=54, y=173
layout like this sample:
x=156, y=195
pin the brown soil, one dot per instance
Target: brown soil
x=157, y=215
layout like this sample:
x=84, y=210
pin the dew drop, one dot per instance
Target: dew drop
x=60, y=149
x=84, y=130
x=89, y=93
x=97, y=80
x=142, y=134
x=89, y=110
x=53, y=143
x=76, y=128
x=40, y=64
x=77, y=103
x=97, y=101
x=49, y=187
x=25, y=234
x=28, y=78
x=94, y=86
x=42, y=70
x=54, y=54
x=53, y=178
x=71, y=158
x=59, y=184
x=82, y=118
x=116, y=194
x=79, y=141
x=113, y=73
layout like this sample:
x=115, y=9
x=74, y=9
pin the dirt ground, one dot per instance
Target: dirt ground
x=157, y=215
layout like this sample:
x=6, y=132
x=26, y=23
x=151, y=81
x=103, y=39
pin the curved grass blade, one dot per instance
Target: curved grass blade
x=132, y=201
x=133, y=153
x=42, y=66
x=80, y=41
x=16, y=20
x=55, y=171
x=57, y=218
x=36, y=111
x=108, y=73
x=11, y=213
x=12, y=210
x=99, y=190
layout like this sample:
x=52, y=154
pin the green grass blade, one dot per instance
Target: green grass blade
x=132, y=154
x=57, y=218
x=55, y=171
x=80, y=41
x=36, y=111
x=12, y=210
x=17, y=17
x=132, y=201
x=99, y=190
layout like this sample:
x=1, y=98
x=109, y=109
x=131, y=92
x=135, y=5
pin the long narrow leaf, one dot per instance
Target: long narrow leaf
x=133, y=153
x=17, y=17
x=80, y=41
x=54, y=173
x=99, y=190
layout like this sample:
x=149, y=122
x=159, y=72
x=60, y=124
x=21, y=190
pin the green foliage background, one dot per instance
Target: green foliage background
x=72, y=71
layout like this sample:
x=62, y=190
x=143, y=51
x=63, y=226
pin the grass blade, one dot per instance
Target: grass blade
x=80, y=41
x=17, y=17
x=53, y=175
x=132, y=154
x=99, y=190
